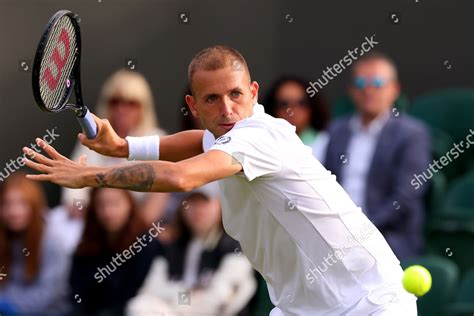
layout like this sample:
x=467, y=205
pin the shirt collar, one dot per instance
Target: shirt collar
x=373, y=128
x=258, y=108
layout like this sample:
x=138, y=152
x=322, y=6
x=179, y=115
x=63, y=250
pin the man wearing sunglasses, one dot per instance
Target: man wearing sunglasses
x=376, y=151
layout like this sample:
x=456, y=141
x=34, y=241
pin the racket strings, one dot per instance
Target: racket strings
x=57, y=63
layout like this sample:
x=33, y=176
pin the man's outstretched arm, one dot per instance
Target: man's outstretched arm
x=181, y=146
x=175, y=147
x=156, y=176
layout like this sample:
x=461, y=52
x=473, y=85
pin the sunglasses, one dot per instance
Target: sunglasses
x=364, y=82
x=303, y=102
x=116, y=101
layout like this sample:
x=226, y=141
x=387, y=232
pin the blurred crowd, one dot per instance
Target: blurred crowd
x=114, y=252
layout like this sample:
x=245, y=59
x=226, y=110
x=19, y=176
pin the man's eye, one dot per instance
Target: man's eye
x=212, y=98
x=236, y=94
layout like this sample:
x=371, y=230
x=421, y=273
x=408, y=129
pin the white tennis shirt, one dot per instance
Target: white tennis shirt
x=317, y=251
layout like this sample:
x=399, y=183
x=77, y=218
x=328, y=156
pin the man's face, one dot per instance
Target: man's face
x=292, y=105
x=15, y=212
x=380, y=90
x=202, y=215
x=124, y=114
x=221, y=98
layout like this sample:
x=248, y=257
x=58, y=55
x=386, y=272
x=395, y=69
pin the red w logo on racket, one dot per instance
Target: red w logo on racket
x=58, y=60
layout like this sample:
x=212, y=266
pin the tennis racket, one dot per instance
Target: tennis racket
x=56, y=70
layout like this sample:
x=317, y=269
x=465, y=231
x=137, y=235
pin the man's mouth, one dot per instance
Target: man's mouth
x=228, y=125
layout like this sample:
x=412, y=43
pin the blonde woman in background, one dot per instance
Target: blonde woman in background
x=126, y=101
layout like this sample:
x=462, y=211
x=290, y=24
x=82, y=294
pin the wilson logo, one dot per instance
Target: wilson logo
x=58, y=60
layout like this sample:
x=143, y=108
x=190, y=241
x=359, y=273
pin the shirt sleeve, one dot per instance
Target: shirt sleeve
x=319, y=146
x=253, y=147
x=207, y=140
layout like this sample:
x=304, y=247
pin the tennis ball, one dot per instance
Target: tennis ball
x=417, y=280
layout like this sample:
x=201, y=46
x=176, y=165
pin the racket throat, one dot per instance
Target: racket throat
x=80, y=111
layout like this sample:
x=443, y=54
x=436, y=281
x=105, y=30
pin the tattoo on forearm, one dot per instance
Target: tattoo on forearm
x=138, y=177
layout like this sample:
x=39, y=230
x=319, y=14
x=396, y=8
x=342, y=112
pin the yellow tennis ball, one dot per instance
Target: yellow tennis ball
x=417, y=280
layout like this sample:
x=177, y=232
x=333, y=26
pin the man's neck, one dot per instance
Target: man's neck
x=367, y=118
x=208, y=237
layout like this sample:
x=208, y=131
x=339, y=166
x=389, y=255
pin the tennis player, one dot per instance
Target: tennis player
x=317, y=251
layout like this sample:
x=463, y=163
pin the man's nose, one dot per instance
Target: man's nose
x=226, y=107
x=369, y=90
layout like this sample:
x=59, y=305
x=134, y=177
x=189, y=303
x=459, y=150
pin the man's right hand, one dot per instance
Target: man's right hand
x=107, y=142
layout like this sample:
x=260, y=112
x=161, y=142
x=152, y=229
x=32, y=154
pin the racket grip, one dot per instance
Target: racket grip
x=88, y=125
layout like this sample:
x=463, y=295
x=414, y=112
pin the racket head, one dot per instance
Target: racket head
x=56, y=63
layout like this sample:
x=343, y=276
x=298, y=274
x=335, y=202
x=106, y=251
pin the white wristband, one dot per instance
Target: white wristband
x=143, y=148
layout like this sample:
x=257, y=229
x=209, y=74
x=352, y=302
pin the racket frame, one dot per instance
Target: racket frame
x=74, y=78
x=83, y=115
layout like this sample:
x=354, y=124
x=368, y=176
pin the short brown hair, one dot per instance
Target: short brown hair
x=214, y=58
x=377, y=55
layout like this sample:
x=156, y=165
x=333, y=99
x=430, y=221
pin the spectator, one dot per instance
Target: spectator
x=288, y=99
x=204, y=272
x=374, y=155
x=114, y=229
x=126, y=100
x=32, y=264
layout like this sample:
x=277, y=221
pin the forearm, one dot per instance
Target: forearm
x=174, y=148
x=156, y=176
x=181, y=146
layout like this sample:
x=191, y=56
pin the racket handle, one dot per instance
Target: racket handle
x=88, y=125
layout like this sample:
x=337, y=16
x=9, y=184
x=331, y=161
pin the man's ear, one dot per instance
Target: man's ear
x=254, y=91
x=351, y=90
x=191, y=102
